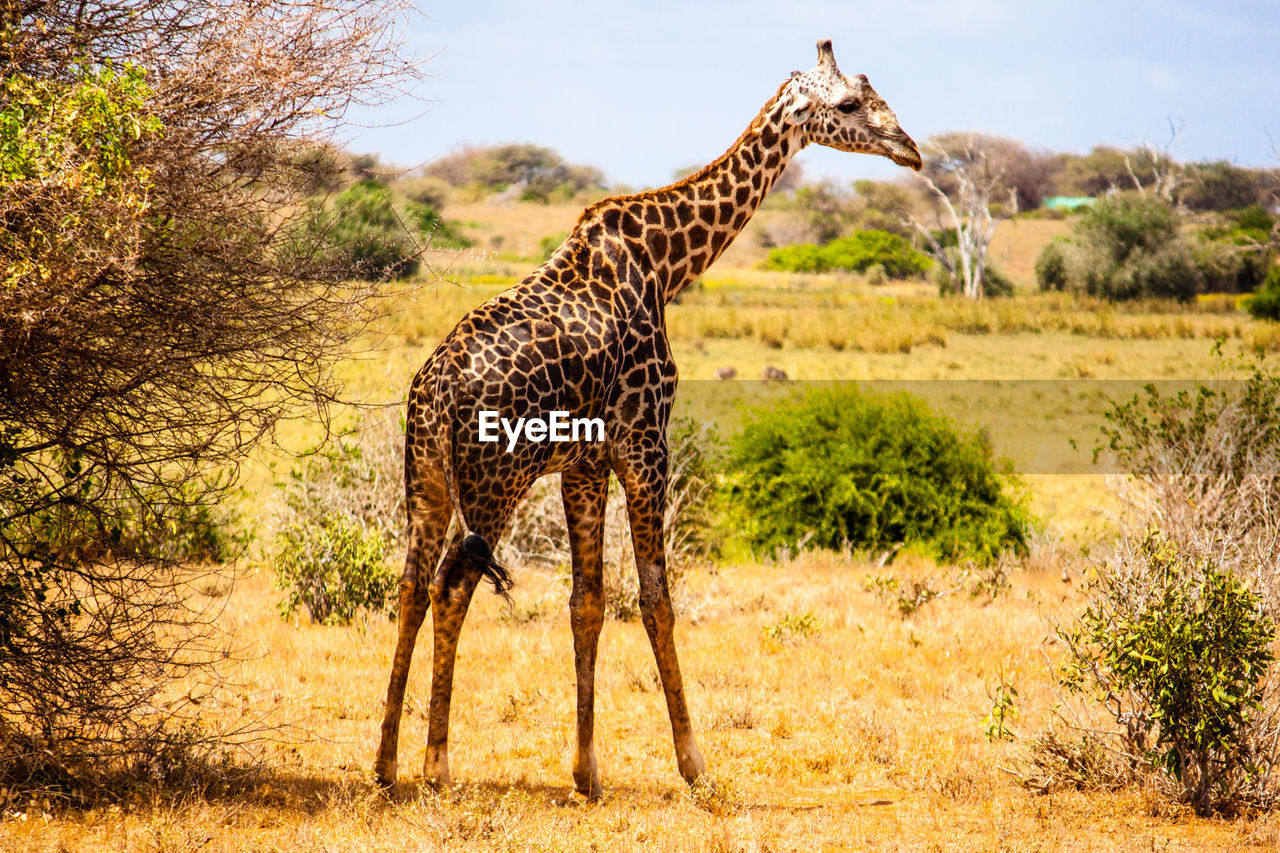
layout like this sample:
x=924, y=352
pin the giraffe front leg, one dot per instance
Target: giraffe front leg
x=646, y=501
x=584, y=495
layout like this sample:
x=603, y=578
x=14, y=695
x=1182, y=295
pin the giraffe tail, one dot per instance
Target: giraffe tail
x=476, y=548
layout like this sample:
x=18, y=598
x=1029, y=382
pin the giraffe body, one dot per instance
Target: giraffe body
x=586, y=334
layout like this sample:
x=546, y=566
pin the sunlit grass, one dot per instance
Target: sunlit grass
x=863, y=730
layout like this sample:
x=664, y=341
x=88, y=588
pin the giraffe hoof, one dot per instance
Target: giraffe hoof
x=437, y=781
x=589, y=788
x=385, y=777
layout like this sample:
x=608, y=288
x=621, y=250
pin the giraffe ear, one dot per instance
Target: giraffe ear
x=797, y=112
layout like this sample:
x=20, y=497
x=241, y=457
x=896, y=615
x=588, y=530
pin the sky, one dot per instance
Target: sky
x=643, y=89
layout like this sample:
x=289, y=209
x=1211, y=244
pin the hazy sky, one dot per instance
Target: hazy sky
x=641, y=89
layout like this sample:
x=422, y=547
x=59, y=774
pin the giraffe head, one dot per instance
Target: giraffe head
x=846, y=113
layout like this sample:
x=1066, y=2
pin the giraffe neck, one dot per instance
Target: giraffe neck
x=689, y=224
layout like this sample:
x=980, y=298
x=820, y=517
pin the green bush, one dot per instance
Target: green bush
x=1051, y=267
x=856, y=253
x=1169, y=272
x=838, y=465
x=1120, y=225
x=995, y=282
x=1255, y=217
x=1265, y=301
x=336, y=567
x=379, y=236
x=1190, y=644
x=1237, y=257
x=340, y=517
x=805, y=257
x=1124, y=247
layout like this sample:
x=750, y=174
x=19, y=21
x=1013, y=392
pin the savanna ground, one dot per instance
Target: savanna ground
x=829, y=720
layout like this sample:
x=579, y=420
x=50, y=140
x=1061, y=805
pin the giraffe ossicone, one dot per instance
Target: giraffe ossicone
x=585, y=334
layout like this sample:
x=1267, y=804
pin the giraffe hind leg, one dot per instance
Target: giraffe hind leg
x=584, y=495
x=428, y=524
x=467, y=561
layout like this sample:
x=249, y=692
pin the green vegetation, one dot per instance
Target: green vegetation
x=380, y=236
x=535, y=173
x=837, y=466
x=1265, y=302
x=1192, y=645
x=856, y=253
x=67, y=145
x=340, y=516
x=335, y=567
x=1132, y=247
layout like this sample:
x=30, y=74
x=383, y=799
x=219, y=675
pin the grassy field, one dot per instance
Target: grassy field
x=829, y=721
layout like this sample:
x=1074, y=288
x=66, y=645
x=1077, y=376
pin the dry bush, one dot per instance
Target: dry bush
x=164, y=301
x=361, y=483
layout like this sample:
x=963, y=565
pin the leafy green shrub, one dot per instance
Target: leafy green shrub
x=846, y=467
x=995, y=282
x=1236, y=258
x=1176, y=638
x=1124, y=247
x=1123, y=224
x=1265, y=301
x=336, y=567
x=803, y=258
x=1051, y=267
x=1180, y=649
x=379, y=236
x=1255, y=218
x=856, y=253
x=1169, y=272
x=340, y=518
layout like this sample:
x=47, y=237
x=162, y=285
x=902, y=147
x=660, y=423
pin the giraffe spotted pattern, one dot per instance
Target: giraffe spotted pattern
x=586, y=334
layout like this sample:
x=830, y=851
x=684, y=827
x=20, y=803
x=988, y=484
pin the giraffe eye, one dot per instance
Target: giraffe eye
x=849, y=106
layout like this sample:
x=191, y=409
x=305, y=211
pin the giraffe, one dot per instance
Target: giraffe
x=586, y=334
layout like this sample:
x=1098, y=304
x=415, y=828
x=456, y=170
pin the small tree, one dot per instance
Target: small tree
x=1176, y=639
x=962, y=178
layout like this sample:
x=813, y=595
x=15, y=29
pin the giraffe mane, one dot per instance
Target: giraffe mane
x=752, y=129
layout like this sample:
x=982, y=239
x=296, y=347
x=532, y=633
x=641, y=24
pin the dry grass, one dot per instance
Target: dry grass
x=864, y=730
x=822, y=315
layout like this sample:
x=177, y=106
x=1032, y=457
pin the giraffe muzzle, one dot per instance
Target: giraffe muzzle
x=903, y=151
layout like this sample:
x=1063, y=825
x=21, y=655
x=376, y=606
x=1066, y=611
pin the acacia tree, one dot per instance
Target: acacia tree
x=962, y=176
x=165, y=298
